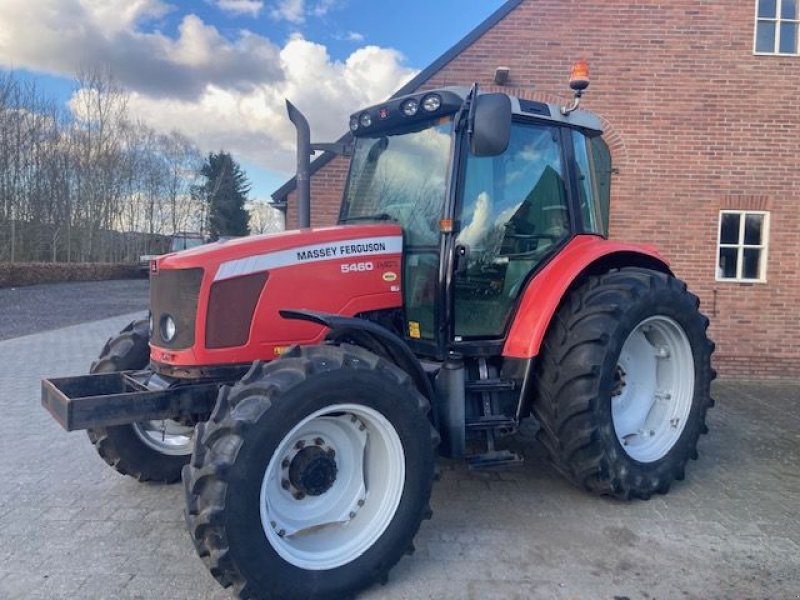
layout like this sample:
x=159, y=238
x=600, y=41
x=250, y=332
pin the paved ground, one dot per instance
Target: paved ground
x=72, y=528
x=35, y=308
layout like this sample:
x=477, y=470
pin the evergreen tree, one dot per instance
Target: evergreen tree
x=225, y=192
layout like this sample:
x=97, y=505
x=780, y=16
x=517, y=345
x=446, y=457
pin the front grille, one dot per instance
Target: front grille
x=175, y=292
x=231, y=305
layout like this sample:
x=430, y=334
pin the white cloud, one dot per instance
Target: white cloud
x=254, y=125
x=60, y=36
x=350, y=36
x=221, y=92
x=241, y=7
x=293, y=11
x=296, y=11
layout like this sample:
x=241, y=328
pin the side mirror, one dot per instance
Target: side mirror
x=491, y=125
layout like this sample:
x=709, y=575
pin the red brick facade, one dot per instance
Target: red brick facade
x=697, y=123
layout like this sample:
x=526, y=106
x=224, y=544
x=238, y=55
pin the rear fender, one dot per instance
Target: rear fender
x=584, y=255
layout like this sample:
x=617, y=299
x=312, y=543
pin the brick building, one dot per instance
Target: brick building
x=700, y=103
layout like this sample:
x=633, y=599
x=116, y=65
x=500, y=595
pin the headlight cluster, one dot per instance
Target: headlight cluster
x=429, y=103
x=168, y=328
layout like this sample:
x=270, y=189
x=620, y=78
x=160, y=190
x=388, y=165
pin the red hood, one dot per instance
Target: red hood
x=211, y=256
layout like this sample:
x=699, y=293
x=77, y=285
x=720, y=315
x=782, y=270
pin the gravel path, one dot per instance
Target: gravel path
x=36, y=308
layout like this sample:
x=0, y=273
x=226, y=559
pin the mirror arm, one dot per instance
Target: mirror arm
x=576, y=102
x=473, y=98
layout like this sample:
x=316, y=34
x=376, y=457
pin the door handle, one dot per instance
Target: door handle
x=461, y=258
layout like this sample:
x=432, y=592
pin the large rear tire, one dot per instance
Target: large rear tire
x=148, y=451
x=312, y=476
x=623, y=383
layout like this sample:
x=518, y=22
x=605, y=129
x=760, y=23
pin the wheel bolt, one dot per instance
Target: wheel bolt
x=300, y=444
x=273, y=524
x=331, y=453
x=362, y=427
x=319, y=441
x=361, y=502
x=299, y=495
x=285, y=484
x=282, y=533
x=352, y=515
x=285, y=463
x=353, y=419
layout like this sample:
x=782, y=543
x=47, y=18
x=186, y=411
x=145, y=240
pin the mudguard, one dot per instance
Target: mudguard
x=371, y=336
x=584, y=254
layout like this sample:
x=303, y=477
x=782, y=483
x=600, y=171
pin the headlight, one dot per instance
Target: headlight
x=353, y=124
x=410, y=107
x=432, y=103
x=168, y=328
x=365, y=120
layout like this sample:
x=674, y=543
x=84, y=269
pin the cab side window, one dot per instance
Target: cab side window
x=513, y=215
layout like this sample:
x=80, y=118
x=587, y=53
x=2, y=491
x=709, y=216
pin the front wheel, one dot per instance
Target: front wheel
x=623, y=383
x=148, y=450
x=313, y=475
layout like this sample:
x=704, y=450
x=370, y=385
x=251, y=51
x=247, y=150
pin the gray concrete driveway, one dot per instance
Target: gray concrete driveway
x=70, y=527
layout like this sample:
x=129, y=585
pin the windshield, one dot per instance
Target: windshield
x=401, y=178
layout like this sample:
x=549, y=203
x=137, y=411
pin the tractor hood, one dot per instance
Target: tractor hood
x=221, y=303
x=248, y=255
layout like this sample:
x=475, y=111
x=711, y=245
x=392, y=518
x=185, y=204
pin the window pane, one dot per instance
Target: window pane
x=514, y=215
x=602, y=165
x=729, y=229
x=727, y=263
x=788, y=38
x=590, y=207
x=766, y=8
x=753, y=225
x=752, y=259
x=765, y=36
x=789, y=9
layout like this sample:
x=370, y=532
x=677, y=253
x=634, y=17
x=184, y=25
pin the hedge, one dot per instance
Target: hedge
x=19, y=274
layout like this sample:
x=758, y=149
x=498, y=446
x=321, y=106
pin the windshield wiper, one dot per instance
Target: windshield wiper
x=376, y=217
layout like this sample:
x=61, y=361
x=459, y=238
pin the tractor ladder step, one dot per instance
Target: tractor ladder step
x=479, y=386
x=495, y=459
x=496, y=422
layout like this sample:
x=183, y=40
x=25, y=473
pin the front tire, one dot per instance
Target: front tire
x=312, y=476
x=148, y=451
x=623, y=383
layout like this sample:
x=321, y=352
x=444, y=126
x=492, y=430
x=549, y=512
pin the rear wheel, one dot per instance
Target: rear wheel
x=313, y=475
x=623, y=383
x=150, y=450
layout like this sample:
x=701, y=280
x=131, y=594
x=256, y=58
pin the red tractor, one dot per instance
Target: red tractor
x=303, y=383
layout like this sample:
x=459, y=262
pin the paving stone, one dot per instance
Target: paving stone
x=70, y=527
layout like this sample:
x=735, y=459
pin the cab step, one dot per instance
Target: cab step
x=495, y=459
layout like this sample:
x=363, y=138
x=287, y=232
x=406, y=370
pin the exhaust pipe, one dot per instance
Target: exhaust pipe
x=303, y=176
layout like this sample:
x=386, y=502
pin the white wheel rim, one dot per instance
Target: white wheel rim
x=654, y=388
x=166, y=436
x=335, y=527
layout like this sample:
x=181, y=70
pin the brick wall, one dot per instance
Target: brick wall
x=696, y=123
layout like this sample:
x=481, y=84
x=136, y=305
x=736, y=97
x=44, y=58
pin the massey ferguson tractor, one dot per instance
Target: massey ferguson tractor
x=303, y=383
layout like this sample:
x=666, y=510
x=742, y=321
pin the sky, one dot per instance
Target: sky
x=219, y=70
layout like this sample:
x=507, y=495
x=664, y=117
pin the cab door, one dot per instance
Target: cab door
x=513, y=214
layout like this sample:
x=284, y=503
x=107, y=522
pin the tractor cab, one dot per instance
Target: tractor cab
x=487, y=188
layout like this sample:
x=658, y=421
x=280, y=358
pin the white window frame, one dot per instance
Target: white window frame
x=741, y=246
x=777, y=20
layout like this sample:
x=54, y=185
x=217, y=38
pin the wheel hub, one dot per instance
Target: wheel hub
x=313, y=471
